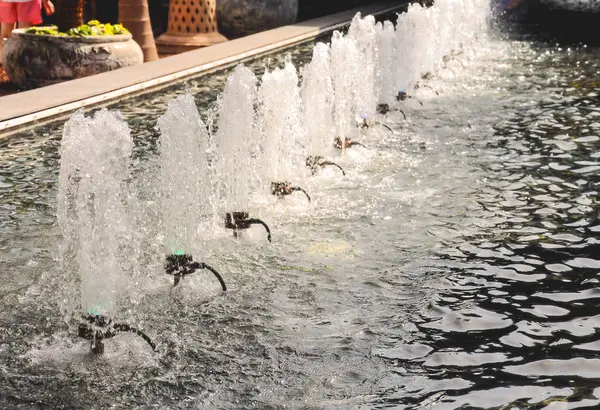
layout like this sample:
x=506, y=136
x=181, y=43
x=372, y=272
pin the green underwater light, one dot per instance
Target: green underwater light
x=93, y=311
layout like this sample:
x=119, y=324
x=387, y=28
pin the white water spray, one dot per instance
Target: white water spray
x=283, y=136
x=363, y=31
x=318, y=98
x=184, y=176
x=234, y=141
x=93, y=213
x=344, y=62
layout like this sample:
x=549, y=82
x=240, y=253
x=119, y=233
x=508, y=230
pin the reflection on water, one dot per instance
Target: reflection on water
x=455, y=265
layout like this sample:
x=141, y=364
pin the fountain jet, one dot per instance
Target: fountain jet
x=180, y=265
x=364, y=124
x=316, y=162
x=235, y=148
x=94, y=215
x=281, y=189
x=348, y=143
x=240, y=220
x=402, y=96
x=384, y=108
x=98, y=328
x=185, y=186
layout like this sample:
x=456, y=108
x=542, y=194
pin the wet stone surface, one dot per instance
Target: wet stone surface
x=456, y=264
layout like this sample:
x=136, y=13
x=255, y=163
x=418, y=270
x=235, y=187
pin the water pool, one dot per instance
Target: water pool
x=455, y=265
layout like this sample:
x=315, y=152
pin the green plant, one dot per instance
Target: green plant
x=92, y=28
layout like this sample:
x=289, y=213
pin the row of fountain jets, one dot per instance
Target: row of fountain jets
x=266, y=134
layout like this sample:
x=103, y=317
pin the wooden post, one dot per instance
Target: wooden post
x=192, y=24
x=69, y=14
x=134, y=16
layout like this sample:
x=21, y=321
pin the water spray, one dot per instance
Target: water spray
x=281, y=189
x=316, y=162
x=240, y=220
x=348, y=143
x=180, y=264
x=97, y=328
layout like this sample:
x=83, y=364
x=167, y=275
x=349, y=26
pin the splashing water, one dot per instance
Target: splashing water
x=234, y=142
x=317, y=98
x=363, y=31
x=325, y=303
x=184, y=176
x=387, y=50
x=93, y=207
x=345, y=58
x=283, y=136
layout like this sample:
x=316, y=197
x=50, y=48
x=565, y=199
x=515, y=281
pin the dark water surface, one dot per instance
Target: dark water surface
x=455, y=267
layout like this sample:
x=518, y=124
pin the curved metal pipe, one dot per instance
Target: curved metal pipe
x=353, y=143
x=221, y=281
x=123, y=327
x=297, y=188
x=255, y=221
x=431, y=88
x=333, y=164
x=385, y=125
x=97, y=328
x=461, y=63
x=183, y=265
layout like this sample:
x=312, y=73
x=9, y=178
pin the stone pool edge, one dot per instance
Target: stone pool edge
x=31, y=108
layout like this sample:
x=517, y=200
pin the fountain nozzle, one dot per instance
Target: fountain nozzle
x=96, y=328
x=337, y=143
x=402, y=96
x=240, y=220
x=180, y=265
x=385, y=108
x=364, y=125
x=316, y=162
x=282, y=189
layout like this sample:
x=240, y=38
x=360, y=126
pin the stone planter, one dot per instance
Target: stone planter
x=36, y=60
x=242, y=17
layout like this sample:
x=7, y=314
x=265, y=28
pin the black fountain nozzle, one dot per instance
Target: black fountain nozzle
x=364, y=125
x=315, y=162
x=97, y=328
x=402, y=96
x=447, y=58
x=240, y=220
x=385, y=108
x=348, y=143
x=281, y=189
x=180, y=265
x=417, y=85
